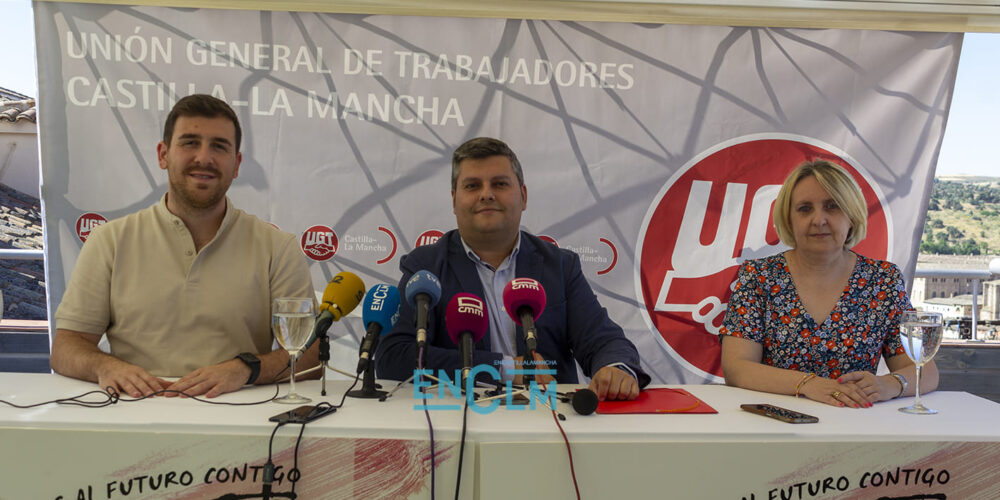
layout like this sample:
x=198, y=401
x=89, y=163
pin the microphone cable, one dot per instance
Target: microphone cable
x=293, y=475
x=111, y=396
x=107, y=398
x=569, y=452
x=277, y=390
x=430, y=426
x=461, y=448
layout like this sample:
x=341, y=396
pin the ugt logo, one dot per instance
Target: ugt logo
x=429, y=237
x=86, y=223
x=319, y=243
x=714, y=213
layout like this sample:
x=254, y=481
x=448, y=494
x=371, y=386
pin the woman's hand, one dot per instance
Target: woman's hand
x=842, y=392
x=876, y=388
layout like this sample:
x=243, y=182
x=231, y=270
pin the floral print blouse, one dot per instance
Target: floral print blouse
x=765, y=308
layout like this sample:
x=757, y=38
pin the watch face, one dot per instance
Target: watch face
x=249, y=359
x=253, y=362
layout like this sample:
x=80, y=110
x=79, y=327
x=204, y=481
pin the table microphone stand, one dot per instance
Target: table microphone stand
x=369, y=389
x=324, y=358
x=324, y=362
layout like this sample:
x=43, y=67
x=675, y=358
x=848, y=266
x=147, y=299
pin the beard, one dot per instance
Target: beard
x=196, y=198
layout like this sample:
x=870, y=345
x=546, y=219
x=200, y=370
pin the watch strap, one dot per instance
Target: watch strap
x=252, y=361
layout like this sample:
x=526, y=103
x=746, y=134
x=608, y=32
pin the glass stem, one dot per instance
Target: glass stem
x=917, y=386
x=295, y=354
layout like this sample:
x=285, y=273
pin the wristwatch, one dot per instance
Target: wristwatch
x=253, y=362
x=902, y=383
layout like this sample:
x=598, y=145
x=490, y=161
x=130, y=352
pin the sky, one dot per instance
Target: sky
x=968, y=139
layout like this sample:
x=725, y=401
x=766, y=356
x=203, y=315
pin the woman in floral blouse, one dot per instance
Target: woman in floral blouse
x=814, y=320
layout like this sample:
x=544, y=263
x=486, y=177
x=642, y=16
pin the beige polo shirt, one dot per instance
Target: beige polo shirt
x=170, y=309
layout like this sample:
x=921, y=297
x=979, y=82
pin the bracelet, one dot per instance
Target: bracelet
x=902, y=383
x=802, y=382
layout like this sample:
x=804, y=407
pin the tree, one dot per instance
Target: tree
x=968, y=246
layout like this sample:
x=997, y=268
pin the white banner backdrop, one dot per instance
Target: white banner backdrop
x=653, y=151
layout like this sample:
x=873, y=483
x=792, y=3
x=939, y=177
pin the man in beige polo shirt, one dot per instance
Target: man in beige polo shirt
x=184, y=287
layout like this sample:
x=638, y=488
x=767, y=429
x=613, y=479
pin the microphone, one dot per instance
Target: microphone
x=380, y=313
x=466, y=320
x=422, y=292
x=585, y=401
x=341, y=296
x=524, y=300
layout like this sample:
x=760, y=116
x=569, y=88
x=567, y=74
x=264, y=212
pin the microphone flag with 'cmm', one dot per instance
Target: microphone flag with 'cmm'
x=466, y=320
x=422, y=292
x=380, y=311
x=342, y=295
x=524, y=300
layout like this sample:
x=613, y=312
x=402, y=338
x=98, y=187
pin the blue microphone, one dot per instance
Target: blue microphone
x=380, y=311
x=422, y=292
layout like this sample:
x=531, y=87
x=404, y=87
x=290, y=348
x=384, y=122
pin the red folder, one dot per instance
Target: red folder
x=661, y=400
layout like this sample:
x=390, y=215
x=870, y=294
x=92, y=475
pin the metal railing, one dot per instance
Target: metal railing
x=18, y=254
x=992, y=272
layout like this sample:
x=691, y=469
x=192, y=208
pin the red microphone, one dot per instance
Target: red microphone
x=466, y=320
x=524, y=300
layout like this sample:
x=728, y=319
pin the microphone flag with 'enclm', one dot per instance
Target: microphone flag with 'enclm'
x=524, y=301
x=380, y=311
x=422, y=292
x=466, y=320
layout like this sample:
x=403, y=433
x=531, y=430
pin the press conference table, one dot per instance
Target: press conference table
x=181, y=448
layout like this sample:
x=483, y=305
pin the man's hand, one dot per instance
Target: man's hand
x=213, y=380
x=75, y=354
x=540, y=364
x=128, y=378
x=611, y=383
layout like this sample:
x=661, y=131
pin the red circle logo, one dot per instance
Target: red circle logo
x=319, y=243
x=428, y=237
x=713, y=214
x=86, y=223
x=545, y=237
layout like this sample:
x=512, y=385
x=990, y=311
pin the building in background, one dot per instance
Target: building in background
x=957, y=307
x=944, y=294
x=991, y=301
x=20, y=210
x=18, y=142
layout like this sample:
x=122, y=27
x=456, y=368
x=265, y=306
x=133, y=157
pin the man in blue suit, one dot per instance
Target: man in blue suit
x=487, y=251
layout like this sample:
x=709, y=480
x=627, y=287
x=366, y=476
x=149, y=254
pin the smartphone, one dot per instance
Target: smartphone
x=302, y=414
x=779, y=413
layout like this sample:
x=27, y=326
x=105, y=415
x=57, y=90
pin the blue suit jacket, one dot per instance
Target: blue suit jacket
x=572, y=326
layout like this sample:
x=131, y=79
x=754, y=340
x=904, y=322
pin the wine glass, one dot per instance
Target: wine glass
x=921, y=334
x=291, y=321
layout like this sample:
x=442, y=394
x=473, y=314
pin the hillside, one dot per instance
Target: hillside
x=963, y=217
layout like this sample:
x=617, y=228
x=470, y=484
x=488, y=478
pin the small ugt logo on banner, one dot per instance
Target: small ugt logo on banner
x=713, y=214
x=428, y=237
x=86, y=223
x=319, y=243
